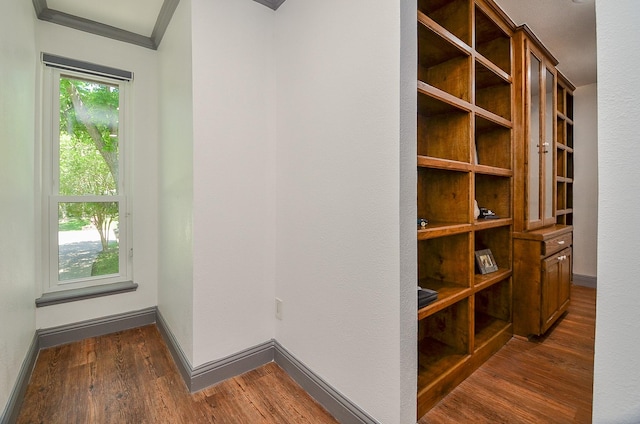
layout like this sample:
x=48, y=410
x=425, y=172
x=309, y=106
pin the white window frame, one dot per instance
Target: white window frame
x=50, y=188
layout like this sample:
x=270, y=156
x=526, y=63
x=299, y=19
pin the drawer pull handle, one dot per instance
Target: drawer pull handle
x=561, y=242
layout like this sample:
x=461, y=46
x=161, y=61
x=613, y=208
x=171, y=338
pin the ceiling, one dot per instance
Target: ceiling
x=566, y=27
x=137, y=16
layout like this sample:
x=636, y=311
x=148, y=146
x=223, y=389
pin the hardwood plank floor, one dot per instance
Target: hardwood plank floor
x=130, y=377
x=546, y=380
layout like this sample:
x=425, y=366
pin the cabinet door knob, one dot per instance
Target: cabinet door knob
x=561, y=242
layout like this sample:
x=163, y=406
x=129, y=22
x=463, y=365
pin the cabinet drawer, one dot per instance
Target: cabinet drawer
x=556, y=243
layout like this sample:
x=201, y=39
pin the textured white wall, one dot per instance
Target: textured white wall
x=143, y=62
x=585, y=187
x=616, y=376
x=17, y=243
x=175, y=230
x=338, y=198
x=233, y=176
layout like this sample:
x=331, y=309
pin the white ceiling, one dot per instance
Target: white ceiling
x=567, y=28
x=137, y=16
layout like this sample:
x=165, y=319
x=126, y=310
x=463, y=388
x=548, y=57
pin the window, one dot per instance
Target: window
x=86, y=215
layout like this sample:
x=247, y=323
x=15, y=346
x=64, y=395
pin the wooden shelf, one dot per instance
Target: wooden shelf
x=464, y=154
x=483, y=281
x=485, y=224
x=491, y=41
x=448, y=294
x=564, y=151
x=444, y=62
x=492, y=170
x=439, y=102
x=488, y=327
x=442, y=195
x=450, y=165
x=442, y=229
x=452, y=16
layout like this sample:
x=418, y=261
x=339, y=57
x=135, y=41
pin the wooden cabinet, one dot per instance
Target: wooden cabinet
x=542, y=278
x=543, y=187
x=555, y=284
x=464, y=154
x=535, y=133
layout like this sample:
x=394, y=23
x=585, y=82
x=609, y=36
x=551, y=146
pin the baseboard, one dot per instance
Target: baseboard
x=12, y=409
x=345, y=411
x=198, y=378
x=338, y=405
x=180, y=359
x=585, y=280
x=93, y=328
x=214, y=372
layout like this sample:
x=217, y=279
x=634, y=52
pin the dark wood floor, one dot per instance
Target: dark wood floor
x=546, y=380
x=129, y=377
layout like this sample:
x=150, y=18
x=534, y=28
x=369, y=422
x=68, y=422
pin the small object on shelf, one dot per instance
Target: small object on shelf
x=488, y=214
x=422, y=222
x=426, y=296
x=485, y=261
x=476, y=209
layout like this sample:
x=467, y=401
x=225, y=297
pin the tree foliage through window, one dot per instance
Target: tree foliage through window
x=88, y=162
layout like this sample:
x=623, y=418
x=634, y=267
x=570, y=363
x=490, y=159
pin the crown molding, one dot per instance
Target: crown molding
x=82, y=24
x=44, y=13
x=271, y=4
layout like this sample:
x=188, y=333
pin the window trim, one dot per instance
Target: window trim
x=77, y=289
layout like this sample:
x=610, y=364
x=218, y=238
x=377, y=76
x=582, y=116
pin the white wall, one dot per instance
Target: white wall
x=17, y=242
x=585, y=186
x=338, y=199
x=175, y=231
x=67, y=42
x=616, y=376
x=233, y=176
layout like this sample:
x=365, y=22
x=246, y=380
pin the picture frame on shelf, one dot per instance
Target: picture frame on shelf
x=485, y=261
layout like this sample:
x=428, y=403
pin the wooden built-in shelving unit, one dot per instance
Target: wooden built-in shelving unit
x=564, y=151
x=465, y=148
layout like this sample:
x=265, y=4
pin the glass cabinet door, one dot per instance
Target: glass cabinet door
x=534, y=140
x=548, y=146
x=541, y=144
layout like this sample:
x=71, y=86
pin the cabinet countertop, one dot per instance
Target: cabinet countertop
x=544, y=233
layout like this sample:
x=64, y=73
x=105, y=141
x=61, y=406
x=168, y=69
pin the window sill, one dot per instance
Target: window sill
x=54, y=298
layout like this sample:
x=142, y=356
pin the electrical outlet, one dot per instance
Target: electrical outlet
x=278, y=308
